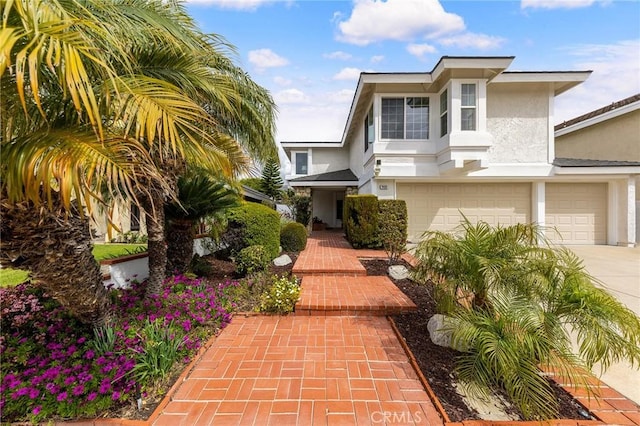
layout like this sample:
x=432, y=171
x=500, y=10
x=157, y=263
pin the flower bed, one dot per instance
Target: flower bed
x=55, y=367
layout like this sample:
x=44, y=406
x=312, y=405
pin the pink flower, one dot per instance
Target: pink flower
x=36, y=410
x=62, y=396
x=115, y=396
x=92, y=396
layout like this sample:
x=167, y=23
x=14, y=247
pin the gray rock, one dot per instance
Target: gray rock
x=398, y=272
x=440, y=329
x=282, y=260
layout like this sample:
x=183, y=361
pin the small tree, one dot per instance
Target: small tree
x=392, y=227
x=301, y=208
x=271, y=183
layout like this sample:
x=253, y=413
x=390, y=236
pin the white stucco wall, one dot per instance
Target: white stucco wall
x=518, y=120
x=356, y=150
x=329, y=160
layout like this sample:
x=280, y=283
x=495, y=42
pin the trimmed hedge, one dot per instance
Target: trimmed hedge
x=393, y=225
x=361, y=220
x=253, y=224
x=252, y=259
x=293, y=237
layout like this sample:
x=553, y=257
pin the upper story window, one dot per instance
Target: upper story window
x=468, y=107
x=369, y=130
x=405, y=118
x=302, y=163
x=444, y=113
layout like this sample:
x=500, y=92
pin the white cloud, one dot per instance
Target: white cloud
x=402, y=20
x=232, y=4
x=377, y=58
x=266, y=58
x=348, y=74
x=472, y=40
x=556, y=4
x=319, y=121
x=341, y=96
x=420, y=50
x=290, y=96
x=281, y=81
x=616, y=75
x=338, y=54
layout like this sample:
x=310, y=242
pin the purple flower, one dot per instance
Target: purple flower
x=92, y=396
x=104, y=387
x=36, y=410
x=115, y=396
x=82, y=340
x=78, y=390
x=33, y=393
x=22, y=392
x=62, y=396
x=89, y=354
x=69, y=380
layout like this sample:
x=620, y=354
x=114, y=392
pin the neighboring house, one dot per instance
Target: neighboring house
x=131, y=219
x=608, y=136
x=468, y=138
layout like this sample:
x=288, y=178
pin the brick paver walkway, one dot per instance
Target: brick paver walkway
x=330, y=363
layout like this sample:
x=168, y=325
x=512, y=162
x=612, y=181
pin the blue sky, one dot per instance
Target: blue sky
x=309, y=54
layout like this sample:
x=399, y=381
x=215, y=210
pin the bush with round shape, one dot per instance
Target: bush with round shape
x=251, y=260
x=293, y=237
x=253, y=224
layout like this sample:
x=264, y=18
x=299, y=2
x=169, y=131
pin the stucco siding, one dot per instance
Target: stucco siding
x=329, y=160
x=614, y=139
x=518, y=120
x=356, y=151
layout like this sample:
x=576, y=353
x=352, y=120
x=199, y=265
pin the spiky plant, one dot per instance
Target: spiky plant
x=200, y=194
x=517, y=300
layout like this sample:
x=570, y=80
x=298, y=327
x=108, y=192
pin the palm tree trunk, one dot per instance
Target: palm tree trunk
x=56, y=248
x=180, y=236
x=156, y=246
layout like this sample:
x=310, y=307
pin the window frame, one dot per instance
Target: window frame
x=473, y=108
x=294, y=162
x=444, y=114
x=405, y=98
x=369, y=129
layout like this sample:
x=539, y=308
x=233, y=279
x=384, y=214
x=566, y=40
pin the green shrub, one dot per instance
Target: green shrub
x=361, y=220
x=253, y=224
x=301, y=206
x=161, y=350
x=293, y=237
x=392, y=225
x=282, y=295
x=252, y=259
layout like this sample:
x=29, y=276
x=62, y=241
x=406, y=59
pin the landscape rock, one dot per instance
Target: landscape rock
x=398, y=272
x=440, y=329
x=282, y=260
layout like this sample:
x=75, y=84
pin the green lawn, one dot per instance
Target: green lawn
x=11, y=277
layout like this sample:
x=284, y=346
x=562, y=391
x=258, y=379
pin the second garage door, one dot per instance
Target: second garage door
x=578, y=211
x=439, y=206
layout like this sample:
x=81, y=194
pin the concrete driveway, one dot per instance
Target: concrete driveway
x=619, y=270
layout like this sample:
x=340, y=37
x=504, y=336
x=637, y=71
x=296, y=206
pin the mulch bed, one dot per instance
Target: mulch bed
x=437, y=362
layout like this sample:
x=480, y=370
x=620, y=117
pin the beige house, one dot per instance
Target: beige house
x=608, y=136
x=468, y=138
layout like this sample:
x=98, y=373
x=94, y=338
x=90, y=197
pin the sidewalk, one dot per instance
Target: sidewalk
x=336, y=361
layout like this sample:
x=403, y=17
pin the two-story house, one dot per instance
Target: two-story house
x=468, y=138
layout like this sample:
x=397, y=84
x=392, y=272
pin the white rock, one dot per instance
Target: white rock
x=398, y=272
x=282, y=260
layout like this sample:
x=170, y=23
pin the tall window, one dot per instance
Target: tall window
x=369, y=130
x=444, y=113
x=468, y=107
x=302, y=163
x=405, y=118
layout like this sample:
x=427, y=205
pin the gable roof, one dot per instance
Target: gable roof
x=337, y=176
x=600, y=114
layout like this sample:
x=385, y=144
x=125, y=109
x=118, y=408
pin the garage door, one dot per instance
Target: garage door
x=438, y=206
x=578, y=211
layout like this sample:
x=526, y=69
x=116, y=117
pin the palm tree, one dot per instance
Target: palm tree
x=200, y=195
x=516, y=302
x=116, y=95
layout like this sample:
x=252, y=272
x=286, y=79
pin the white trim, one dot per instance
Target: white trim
x=599, y=118
x=551, y=142
x=378, y=115
x=324, y=183
x=294, y=165
x=295, y=145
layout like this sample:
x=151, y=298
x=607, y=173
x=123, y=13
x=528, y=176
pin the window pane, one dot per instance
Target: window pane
x=417, y=118
x=444, y=124
x=468, y=119
x=468, y=95
x=301, y=163
x=392, y=126
x=371, y=134
x=443, y=102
